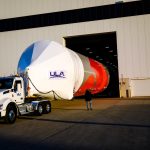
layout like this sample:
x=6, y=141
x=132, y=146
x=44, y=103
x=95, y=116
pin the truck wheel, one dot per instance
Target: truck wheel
x=11, y=114
x=47, y=108
x=39, y=110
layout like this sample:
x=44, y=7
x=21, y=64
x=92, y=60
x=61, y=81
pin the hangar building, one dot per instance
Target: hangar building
x=113, y=32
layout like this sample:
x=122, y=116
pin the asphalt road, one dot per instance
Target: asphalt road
x=111, y=125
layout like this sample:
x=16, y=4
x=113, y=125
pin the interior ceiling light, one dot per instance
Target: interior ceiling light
x=111, y=51
x=106, y=47
x=87, y=48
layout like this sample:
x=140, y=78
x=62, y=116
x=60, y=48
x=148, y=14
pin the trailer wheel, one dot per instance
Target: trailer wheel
x=47, y=108
x=11, y=114
x=39, y=110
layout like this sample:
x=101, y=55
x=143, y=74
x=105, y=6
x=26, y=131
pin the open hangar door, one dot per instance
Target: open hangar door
x=103, y=48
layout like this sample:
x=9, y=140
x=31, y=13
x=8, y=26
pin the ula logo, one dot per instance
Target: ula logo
x=57, y=74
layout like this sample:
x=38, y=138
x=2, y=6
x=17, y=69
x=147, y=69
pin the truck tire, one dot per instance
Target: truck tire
x=11, y=114
x=47, y=108
x=39, y=110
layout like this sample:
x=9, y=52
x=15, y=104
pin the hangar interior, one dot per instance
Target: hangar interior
x=103, y=48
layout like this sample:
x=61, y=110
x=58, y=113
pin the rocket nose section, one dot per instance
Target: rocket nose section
x=25, y=59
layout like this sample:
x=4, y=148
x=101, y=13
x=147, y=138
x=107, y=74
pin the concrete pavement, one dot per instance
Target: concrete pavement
x=113, y=124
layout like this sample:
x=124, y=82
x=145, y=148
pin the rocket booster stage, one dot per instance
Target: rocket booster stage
x=50, y=66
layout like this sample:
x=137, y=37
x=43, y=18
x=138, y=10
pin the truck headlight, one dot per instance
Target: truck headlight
x=1, y=106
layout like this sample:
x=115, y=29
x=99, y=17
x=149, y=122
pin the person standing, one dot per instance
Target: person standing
x=88, y=99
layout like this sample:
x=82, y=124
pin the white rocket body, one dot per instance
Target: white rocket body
x=52, y=67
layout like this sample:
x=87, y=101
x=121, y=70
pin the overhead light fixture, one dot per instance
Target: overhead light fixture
x=106, y=47
x=115, y=55
x=110, y=51
x=97, y=56
x=90, y=52
x=87, y=48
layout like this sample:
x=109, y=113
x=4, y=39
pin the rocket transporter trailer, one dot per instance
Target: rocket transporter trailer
x=47, y=69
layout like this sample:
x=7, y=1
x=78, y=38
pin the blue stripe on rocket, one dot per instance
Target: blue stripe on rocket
x=25, y=59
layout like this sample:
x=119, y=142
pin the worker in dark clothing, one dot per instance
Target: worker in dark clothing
x=88, y=99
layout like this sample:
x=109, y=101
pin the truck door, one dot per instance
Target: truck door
x=18, y=92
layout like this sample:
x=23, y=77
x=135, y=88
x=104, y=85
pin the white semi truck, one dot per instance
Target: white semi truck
x=47, y=69
x=13, y=101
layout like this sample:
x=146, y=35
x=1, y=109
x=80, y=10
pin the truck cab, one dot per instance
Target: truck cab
x=12, y=87
x=13, y=100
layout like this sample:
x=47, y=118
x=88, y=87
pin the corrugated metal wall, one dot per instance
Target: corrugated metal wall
x=133, y=36
x=17, y=8
x=140, y=87
x=133, y=42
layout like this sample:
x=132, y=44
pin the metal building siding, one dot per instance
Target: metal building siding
x=140, y=87
x=17, y=8
x=132, y=51
x=147, y=29
x=133, y=42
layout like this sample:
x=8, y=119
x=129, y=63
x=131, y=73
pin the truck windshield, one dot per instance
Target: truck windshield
x=6, y=83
